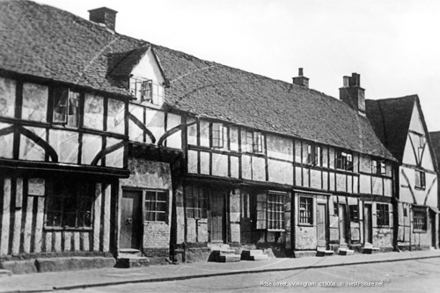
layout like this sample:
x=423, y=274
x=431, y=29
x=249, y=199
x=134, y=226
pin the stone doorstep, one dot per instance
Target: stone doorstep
x=254, y=254
x=258, y=257
x=345, y=251
x=132, y=262
x=229, y=258
x=324, y=252
x=370, y=250
x=129, y=251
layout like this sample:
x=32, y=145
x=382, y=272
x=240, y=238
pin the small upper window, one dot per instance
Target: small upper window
x=65, y=107
x=217, y=135
x=344, y=161
x=314, y=155
x=378, y=167
x=420, y=179
x=252, y=141
x=147, y=90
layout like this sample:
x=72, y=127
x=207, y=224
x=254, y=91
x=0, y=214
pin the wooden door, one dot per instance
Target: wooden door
x=368, y=224
x=217, y=218
x=321, y=227
x=131, y=219
x=342, y=224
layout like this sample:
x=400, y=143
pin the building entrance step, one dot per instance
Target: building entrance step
x=253, y=254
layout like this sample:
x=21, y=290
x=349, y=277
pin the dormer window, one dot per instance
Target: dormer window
x=146, y=90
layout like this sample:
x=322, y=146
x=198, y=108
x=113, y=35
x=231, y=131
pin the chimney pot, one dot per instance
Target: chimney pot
x=300, y=71
x=105, y=16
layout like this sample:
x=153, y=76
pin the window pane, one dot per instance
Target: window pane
x=94, y=112
x=60, y=104
x=116, y=116
x=35, y=99
x=7, y=97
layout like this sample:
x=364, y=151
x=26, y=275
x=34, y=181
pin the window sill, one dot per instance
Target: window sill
x=305, y=225
x=79, y=229
x=420, y=231
x=276, y=230
x=419, y=188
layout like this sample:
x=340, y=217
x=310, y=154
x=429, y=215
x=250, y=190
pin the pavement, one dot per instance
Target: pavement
x=46, y=282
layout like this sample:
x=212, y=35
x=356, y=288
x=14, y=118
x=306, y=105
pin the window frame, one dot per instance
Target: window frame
x=306, y=212
x=156, y=201
x=218, y=135
x=72, y=103
x=344, y=160
x=275, y=211
x=354, y=212
x=383, y=215
x=196, y=203
x=420, y=219
x=314, y=155
x=252, y=141
x=83, y=193
x=420, y=179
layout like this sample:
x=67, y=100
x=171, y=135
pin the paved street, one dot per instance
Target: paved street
x=405, y=276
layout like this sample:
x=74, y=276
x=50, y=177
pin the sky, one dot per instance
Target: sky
x=394, y=45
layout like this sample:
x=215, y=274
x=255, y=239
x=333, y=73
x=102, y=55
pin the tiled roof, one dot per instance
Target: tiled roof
x=390, y=119
x=435, y=141
x=44, y=41
x=122, y=64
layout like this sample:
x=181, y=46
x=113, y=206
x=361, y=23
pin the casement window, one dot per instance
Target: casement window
x=419, y=219
x=141, y=89
x=218, y=137
x=275, y=211
x=344, y=161
x=252, y=141
x=354, y=213
x=270, y=211
x=196, y=199
x=383, y=214
x=156, y=206
x=314, y=155
x=147, y=90
x=69, y=204
x=378, y=167
x=306, y=210
x=65, y=107
x=420, y=179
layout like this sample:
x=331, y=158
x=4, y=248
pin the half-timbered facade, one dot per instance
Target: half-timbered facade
x=400, y=124
x=121, y=144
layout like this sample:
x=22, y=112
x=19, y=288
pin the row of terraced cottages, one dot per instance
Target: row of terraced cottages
x=130, y=145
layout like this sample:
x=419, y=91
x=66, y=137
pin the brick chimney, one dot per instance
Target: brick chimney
x=105, y=16
x=352, y=94
x=300, y=79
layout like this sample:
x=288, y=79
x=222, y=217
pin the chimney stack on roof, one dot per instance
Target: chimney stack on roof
x=301, y=79
x=105, y=16
x=352, y=94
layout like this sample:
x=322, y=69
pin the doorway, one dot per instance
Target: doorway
x=131, y=219
x=217, y=218
x=342, y=224
x=432, y=222
x=321, y=227
x=368, y=224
